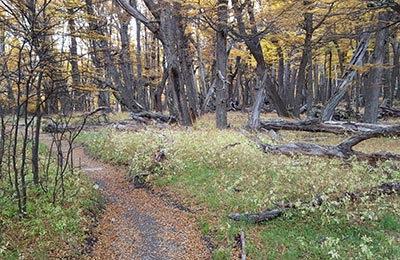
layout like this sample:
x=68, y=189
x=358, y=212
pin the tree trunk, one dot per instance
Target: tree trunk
x=253, y=44
x=221, y=60
x=202, y=70
x=372, y=97
x=395, y=68
x=343, y=150
x=125, y=58
x=171, y=31
x=78, y=96
x=304, y=63
x=348, y=76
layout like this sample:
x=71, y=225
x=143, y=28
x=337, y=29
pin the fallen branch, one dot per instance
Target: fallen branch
x=142, y=116
x=344, y=150
x=313, y=125
x=389, y=112
x=243, y=243
x=138, y=180
x=231, y=145
x=390, y=188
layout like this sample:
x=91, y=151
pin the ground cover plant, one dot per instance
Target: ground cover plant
x=49, y=229
x=215, y=173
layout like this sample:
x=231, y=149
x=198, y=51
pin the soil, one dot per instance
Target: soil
x=137, y=224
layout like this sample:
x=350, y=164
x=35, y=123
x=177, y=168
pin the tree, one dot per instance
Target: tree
x=378, y=58
x=221, y=60
x=78, y=96
x=170, y=29
x=32, y=67
x=253, y=43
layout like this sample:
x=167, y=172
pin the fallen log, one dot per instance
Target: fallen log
x=144, y=116
x=391, y=188
x=388, y=112
x=343, y=150
x=313, y=125
x=61, y=125
x=53, y=127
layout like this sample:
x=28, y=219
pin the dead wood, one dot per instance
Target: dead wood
x=388, y=112
x=313, y=125
x=145, y=116
x=139, y=180
x=53, y=127
x=343, y=150
x=391, y=188
x=231, y=145
x=243, y=244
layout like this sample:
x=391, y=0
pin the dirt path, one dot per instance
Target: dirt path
x=137, y=224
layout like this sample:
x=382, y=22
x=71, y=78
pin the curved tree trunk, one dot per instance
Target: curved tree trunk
x=253, y=44
x=350, y=72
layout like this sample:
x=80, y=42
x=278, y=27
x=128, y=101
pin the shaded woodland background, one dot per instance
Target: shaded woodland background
x=184, y=58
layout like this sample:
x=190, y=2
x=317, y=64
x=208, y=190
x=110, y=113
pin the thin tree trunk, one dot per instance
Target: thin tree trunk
x=139, y=66
x=253, y=44
x=221, y=61
x=304, y=63
x=125, y=59
x=79, y=97
x=396, y=68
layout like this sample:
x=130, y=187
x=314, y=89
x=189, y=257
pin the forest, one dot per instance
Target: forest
x=243, y=113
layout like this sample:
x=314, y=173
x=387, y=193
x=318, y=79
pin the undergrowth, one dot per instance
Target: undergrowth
x=220, y=172
x=49, y=230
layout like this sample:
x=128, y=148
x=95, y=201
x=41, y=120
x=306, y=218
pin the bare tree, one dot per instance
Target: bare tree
x=374, y=90
x=221, y=60
x=169, y=27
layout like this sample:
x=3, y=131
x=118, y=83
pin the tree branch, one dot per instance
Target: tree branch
x=151, y=25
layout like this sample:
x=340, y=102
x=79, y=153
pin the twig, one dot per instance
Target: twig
x=243, y=242
x=231, y=145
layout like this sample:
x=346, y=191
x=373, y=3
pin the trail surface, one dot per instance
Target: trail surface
x=137, y=224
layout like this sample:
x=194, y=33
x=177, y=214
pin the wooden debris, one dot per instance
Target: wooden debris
x=388, y=112
x=274, y=136
x=313, y=125
x=343, y=150
x=231, y=145
x=145, y=116
x=390, y=188
x=243, y=243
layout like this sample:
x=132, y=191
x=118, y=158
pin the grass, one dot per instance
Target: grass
x=220, y=172
x=48, y=231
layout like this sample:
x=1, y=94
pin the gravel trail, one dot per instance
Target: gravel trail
x=137, y=224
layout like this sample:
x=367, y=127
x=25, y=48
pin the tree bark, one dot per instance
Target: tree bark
x=125, y=58
x=252, y=42
x=395, y=79
x=314, y=125
x=170, y=30
x=221, y=60
x=343, y=150
x=78, y=96
x=348, y=76
x=373, y=93
x=304, y=62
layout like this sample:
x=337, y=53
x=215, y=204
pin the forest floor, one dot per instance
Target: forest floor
x=137, y=224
